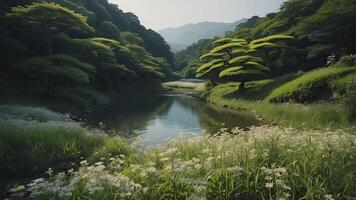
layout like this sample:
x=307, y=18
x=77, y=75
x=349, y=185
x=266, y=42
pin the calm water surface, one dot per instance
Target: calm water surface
x=168, y=116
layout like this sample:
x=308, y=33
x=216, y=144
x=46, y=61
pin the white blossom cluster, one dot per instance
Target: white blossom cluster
x=272, y=162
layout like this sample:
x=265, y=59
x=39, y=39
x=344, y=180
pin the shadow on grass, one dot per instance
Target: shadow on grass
x=258, y=90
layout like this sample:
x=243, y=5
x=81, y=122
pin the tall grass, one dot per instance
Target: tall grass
x=34, y=139
x=40, y=114
x=263, y=163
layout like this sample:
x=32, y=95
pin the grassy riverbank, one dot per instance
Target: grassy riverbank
x=263, y=163
x=305, y=116
x=332, y=108
x=33, y=139
x=186, y=86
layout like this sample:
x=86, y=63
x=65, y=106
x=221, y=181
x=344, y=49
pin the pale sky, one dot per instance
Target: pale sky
x=159, y=14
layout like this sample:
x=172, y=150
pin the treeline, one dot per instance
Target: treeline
x=59, y=47
x=321, y=29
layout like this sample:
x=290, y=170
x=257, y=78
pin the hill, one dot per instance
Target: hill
x=181, y=37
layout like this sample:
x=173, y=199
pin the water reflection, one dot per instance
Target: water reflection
x=159, y=119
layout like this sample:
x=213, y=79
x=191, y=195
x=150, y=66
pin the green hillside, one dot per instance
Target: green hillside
x=69, y=50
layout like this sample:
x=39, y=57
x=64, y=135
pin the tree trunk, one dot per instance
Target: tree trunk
x=268, y=59
x=50, y=87
x=212, y=83
x=242, y=86
x=49, y=45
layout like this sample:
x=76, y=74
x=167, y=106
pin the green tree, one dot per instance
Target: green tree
x=238, y=60
x=149, y=65
x=218, y=58
x=109, y=30
x=55, y=70
x=49, y=19
x=332, y=26
x=245, y=68
x=271, y=46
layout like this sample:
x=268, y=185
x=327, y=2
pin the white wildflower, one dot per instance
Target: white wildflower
x=269, y=185
x=328, y=197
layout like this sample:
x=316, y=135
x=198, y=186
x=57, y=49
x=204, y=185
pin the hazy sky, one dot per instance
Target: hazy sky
x=158, y=14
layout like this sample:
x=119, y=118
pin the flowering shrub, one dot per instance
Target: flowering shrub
x=262, y=163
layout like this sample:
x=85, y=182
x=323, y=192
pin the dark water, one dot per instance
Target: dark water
x=156, y=120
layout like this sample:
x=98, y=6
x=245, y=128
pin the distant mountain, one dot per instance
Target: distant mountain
x=181, y=37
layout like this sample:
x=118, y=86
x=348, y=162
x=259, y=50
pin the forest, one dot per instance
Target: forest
x=94, y=105
x=81, y=52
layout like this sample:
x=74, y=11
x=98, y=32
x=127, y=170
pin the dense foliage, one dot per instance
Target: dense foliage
x=320, y=28
x=187, y=61
x=89, y=43
x=241, y=61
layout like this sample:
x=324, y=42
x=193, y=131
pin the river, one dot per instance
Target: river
x=167, y=116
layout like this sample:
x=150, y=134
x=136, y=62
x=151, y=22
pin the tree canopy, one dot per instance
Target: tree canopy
x=239, y=60
x=48, y=44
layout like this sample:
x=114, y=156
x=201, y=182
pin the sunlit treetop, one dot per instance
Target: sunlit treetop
x=53, y=18
x=226, y=47
x=209, y=64
x=223, y=41
x=272, y=38
x=211, y=55
x=245, y=58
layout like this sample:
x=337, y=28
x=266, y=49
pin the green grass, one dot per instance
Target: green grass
x=343, y=85
x=259, y=90
x=190, y=86
x=263, y=163
x=310, y=86
x=34, y=139
x=337, y=111
x=303, y=116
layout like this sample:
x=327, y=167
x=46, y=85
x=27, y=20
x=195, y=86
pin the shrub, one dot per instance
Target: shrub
x=309, y=87
x=345, y=89
x=74, y=99
x=86, y=94
x=349, y=60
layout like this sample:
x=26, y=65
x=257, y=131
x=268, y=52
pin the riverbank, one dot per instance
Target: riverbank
x=320, y=116
x=285, y=100
x=262, y=162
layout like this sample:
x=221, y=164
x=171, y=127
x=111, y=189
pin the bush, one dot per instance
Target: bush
x=85, y=94
x=349, y=60
x=345, y=90
x=74, y=99
x=311, y=86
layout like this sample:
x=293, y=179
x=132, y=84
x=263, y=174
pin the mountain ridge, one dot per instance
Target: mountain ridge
x=181, y=37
